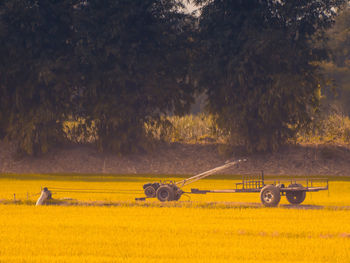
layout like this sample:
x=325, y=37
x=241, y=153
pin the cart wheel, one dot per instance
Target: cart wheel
x=178, y=194
x=270, y=196
x=296, y=197
x=165, y=193
x=150, y=191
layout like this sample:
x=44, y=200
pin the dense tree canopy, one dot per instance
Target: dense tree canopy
x=134, y=56
x=121, y=63
x=338, y=68
x=35, y=52
x=258, y=65
x=117, y=63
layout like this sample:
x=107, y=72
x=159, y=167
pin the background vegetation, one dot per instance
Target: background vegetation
x=337, y=69
x=118, y=73
x=201, y=128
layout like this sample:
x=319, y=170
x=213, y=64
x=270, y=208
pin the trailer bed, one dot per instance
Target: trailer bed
x=270, y=190
x=257, y=190
x=254, y=184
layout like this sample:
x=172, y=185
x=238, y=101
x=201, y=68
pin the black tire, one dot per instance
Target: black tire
x=295, y=197
x=150, y=191
x=165, y=193
x=270, y=196
x=178, y=194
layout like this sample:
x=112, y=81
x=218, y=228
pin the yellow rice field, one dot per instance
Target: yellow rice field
x=199, y=228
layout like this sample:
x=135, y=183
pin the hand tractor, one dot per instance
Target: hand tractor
x=270, y=193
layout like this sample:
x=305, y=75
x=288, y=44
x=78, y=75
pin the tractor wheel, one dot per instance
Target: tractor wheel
x=270, y=196
x=165, y=193
x=296, y=197
x=150, y=191
x=178, y=194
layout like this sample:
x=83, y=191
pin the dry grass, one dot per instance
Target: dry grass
x=332, y=129
x=188, y=129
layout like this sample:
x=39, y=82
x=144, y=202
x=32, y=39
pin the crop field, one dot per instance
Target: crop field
x=107, y=225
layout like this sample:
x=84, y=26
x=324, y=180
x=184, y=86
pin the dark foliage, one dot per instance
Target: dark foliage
x=117, y=63
x=257, y=62
x=121, y=63
x=35, y=52
x=337, y=70
x=134, y=56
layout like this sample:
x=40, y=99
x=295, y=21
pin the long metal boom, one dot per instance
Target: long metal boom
x=207, y=173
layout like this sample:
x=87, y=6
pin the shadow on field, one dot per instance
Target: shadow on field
x=179, y=204
x=302, y=206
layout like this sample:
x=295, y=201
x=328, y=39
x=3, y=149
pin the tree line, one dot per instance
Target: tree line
x=337, y=69
x=121, y=63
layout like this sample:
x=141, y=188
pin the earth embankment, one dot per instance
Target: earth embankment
x=180, y=158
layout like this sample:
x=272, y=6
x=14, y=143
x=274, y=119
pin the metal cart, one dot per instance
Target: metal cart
x=270, y=190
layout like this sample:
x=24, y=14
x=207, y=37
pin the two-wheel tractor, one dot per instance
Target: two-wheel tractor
x=163, y=192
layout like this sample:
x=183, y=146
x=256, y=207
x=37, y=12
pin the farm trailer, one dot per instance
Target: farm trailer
x=270, y=193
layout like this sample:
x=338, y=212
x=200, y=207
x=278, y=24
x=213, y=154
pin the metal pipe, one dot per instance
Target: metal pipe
x=208, y=173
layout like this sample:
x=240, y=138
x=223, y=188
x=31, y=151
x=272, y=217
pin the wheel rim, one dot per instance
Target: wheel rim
x=150, y=191
x=164, y=194
x=268, y=196
x=295, y=197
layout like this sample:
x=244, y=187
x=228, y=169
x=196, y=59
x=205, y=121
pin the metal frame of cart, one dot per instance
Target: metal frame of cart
x=270, y=190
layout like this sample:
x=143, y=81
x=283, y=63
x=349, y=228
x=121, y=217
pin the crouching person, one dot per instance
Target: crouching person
x=45, y=195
